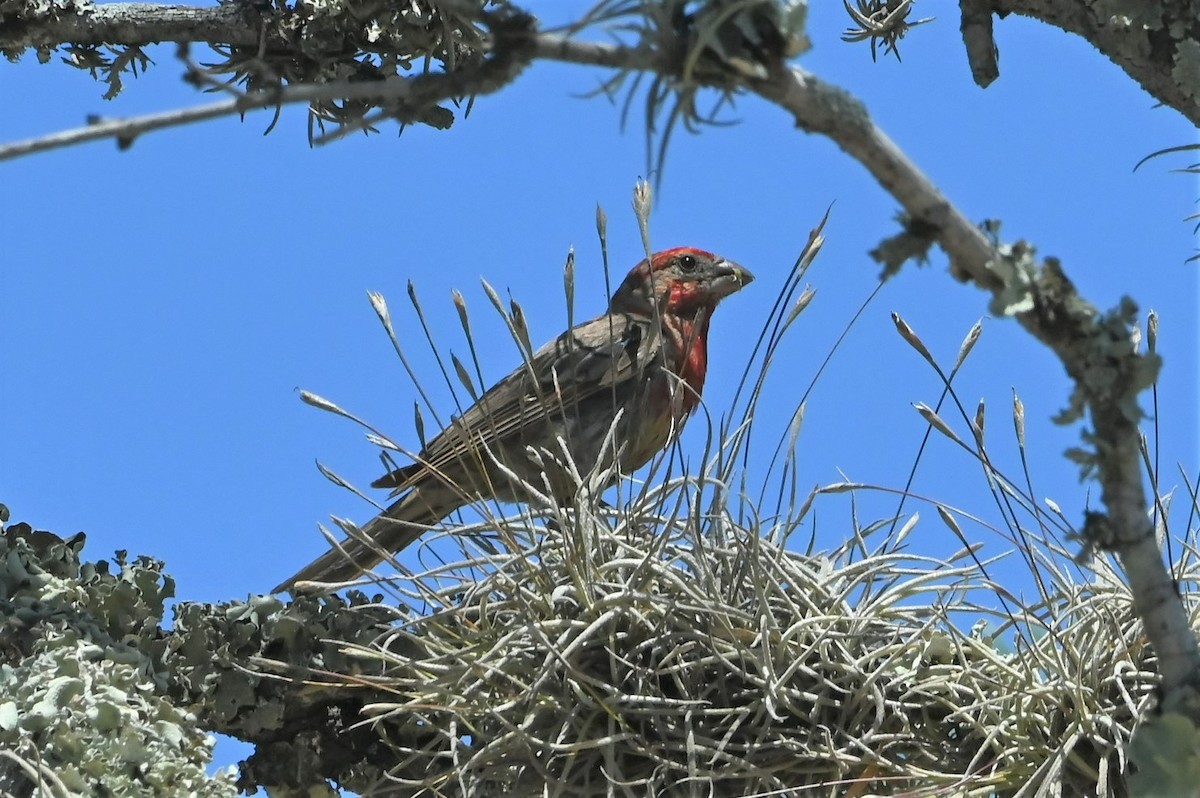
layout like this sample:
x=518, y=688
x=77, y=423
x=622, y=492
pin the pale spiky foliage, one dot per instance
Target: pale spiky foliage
x=676, y=645
x=715, y=44
x=668, y=650
x=1189, y=169
x=883, y=21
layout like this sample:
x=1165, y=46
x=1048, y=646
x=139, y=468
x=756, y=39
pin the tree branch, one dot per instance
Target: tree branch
x=976, y=30
x=1156, y=43
x=138, y=24
x=404, y=96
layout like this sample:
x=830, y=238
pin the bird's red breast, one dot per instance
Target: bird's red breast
x=693, y=364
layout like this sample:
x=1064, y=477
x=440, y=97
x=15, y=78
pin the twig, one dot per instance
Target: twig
x=125, y=130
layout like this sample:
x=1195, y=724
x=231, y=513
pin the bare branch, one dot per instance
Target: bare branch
x=126, y=130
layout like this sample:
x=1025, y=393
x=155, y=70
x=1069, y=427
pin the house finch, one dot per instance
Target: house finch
x=646, y=357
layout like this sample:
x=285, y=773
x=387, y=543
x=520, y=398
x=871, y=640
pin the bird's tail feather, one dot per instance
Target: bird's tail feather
x=392, y=530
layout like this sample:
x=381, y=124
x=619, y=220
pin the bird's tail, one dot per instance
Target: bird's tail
x=395, y=528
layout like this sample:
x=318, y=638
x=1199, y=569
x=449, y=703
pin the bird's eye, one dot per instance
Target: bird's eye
x=688, y=263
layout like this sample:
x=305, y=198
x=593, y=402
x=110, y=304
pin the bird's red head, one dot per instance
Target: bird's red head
x=680, y=281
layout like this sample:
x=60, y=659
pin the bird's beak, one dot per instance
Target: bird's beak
x=730, y=278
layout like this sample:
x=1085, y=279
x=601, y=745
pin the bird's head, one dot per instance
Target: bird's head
x=682, y=282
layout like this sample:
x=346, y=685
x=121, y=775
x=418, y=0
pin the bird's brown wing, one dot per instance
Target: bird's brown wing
x=592, y=357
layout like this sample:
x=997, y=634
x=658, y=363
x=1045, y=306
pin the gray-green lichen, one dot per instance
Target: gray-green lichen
x=1165, y=747
x=19, y=14
x=1187, y=67
x=1016, y=269
x=326, y=41
x=96, y=690
x=81, y=699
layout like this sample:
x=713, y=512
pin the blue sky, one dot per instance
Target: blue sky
x=164, y=305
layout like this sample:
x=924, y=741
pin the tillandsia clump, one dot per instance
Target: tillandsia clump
x=668, y=646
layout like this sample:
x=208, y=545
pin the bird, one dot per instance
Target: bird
x=646, y=358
